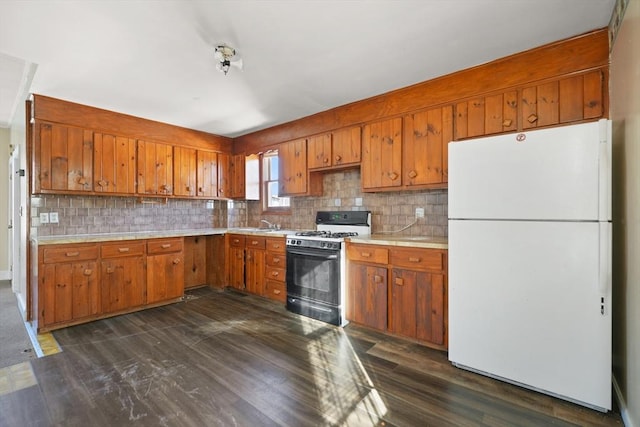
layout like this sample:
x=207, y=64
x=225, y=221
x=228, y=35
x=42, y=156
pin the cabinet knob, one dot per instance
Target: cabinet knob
x=365, y=254
x=110, y=270
x=393, y=176
x=254, y=242
x=275, y=273
x=276, y=291
x=413, y=259
x=88, y=272
x=276, y=260
x=412, y=174
x=325, y=160
x=399, y=281
x=338, y=158
x=72, y=254
x=377, y=278
x=165, y=245
x=123, y=250
x=103, y=183
x=82, y=180
x=507, y=123
x=532, y=118
x=176, y=261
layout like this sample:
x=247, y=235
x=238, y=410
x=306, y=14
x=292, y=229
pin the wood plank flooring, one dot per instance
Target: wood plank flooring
x=224, y=359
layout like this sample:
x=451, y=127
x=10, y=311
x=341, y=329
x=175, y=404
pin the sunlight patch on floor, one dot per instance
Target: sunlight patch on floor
x=16, y=377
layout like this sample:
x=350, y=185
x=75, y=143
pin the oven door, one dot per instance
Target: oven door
x=314, y=274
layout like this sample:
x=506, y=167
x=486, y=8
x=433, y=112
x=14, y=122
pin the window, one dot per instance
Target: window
x=270, y=185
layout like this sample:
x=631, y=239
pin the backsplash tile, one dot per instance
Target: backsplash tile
x=390, y=211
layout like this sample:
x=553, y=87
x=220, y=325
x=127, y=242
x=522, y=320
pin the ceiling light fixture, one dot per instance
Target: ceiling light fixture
x=226, y=57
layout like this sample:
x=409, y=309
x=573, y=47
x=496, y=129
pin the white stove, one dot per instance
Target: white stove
x=316, y=264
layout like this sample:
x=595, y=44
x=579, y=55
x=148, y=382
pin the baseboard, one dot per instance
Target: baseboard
x=622, y=404
x=5, y=275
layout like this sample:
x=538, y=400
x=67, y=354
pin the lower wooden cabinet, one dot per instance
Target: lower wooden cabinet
x=165, y=269
x=195, y=261
x=77, y=283
x=399, y=290
x=275, y=272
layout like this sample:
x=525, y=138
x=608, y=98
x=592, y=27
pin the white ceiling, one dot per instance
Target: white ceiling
x=154, y=59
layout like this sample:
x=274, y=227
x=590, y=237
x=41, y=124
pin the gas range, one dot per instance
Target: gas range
x=316, y=265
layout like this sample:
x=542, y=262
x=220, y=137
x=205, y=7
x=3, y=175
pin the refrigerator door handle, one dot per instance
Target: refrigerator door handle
x=604, y=165
x=604, y=279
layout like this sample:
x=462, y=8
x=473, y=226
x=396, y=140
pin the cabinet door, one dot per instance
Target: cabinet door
x=292, y=158
x=165, y=277
x=155, y=168
x=319, y=151
x=382, y=154
x=123, y=283
x=430, y=307
x=70, y=292
x=236, y=267
x=426, y=135
x=224, y=175
x=207, y=173
x=114, y=163
x=195, y=261
x=540, y=105
x=487, y=115
x=184, y=171
x=64, y=156
x=403, y=302
x=255, y=264
x=367, y=295
x=347, y=146
x=238, y=176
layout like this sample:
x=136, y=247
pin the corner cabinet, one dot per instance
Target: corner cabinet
x=399, y=290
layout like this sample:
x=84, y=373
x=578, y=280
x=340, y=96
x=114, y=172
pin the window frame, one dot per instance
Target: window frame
x=280, y=210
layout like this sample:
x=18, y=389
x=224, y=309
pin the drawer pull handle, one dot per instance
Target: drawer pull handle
x=413, y=259
x=254, y=242
x=399, y=281
x=110, y=270
x=165, y=245
x=276, y=291
x=275, y=273
x=70, y=254
x=276, y=246
x=377, y=278
x=365, y=254
x=88, y=272
x=176, y=261
x=338, y=158
x=276, y=260
x=236, y=240
x=532, y=118
x=123, y=250
x=103, y=183
x=412, y=174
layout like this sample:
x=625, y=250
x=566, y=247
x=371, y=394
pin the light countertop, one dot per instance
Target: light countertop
x=407, y=241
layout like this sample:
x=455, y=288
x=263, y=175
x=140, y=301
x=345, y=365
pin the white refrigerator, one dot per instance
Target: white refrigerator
x=530, y=260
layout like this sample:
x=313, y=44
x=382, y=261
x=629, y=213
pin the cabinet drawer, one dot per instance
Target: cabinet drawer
x=276, y=245
x=423, y=259
x=69, y=253
x=276, y=260
x=236, y=240
x=113, y=250
x=163, y=246
x=275, y=290
x=368, y=253
x=253, y=242
x=274, y=273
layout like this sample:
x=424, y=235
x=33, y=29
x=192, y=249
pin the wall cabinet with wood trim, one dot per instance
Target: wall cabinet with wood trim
x=184, y=172
x=155, y=168
x=77, y=283
x=238, y=176
x=399, y=290
x=340, y=148
x=63, y=159
x=382, y=155
x=114, y=164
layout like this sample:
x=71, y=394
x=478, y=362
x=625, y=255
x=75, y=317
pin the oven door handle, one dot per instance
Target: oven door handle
x=326, y=254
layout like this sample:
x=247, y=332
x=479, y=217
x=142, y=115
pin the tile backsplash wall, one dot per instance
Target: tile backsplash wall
x=390, y=211
x=100, y=214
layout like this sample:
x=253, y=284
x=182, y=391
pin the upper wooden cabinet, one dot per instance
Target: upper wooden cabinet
x=487, y=115
x=184, y=171
x=155, y=168
x=63, y=158
x=207, y=173
x=237, y=170
x=382, y=154
x=426, y=135
x=338, y=148
x=292, y=158
x=114, y=164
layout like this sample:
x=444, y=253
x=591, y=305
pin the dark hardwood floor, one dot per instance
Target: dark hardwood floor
x=224, y=359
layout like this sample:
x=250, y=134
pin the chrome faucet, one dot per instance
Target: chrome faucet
x=270, y=225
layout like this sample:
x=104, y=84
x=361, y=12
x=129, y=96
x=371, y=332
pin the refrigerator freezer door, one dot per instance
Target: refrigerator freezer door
x=526, y=305
x=549, y=174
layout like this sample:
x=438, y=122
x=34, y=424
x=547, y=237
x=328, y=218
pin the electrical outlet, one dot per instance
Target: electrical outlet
x=419, y=212
x=53, y=217
x=44, y=218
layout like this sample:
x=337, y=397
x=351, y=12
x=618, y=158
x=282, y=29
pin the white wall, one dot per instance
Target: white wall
x=4, y=203
x=625, y=112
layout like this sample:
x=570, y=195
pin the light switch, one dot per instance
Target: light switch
x=44, y=218
x=53, y=217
